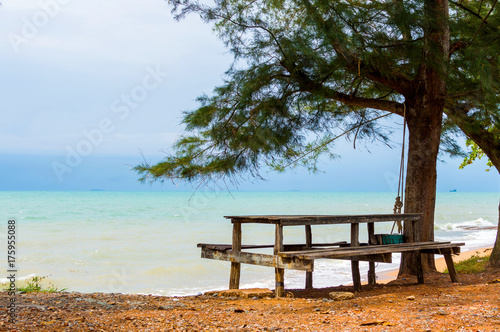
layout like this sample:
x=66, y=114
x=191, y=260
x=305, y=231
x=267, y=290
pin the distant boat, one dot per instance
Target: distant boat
x=453, y=191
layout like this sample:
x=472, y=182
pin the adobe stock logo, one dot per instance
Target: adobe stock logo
x=32, y=25
x=121, y=108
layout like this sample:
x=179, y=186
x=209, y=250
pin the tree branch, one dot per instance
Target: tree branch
x=459, y=5
x=475, y=130
x=396, y=82
x=333, y=139
x=308, y=85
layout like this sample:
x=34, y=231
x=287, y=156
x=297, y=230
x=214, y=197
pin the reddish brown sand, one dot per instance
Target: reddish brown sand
x=401, y=305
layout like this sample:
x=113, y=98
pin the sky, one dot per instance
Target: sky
x=92, y=88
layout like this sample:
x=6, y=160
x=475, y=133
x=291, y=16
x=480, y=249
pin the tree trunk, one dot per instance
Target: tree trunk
x=425, y=104
x=424, y=127
x=495, y=254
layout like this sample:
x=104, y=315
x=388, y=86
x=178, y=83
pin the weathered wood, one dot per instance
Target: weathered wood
x=419, y=267
x=291, y=263
x=451, y=267
x=380, y=258
x=369, y=250
x=443, y=251
x=356, y=278
x=279, y=273
x=287, y=247
x=280, y=282
x=309, y=275
x=372, y=278
x=258, y=259
x=301, y=247
x=308, y=230
x=296, y=220
x=234, y=277
x=302, y=256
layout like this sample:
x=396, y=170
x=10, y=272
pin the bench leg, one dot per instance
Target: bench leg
x=356, y=278
x=280, y=282
x=309, y=275
x=451, y=267
x=420, y=269
x=234, y=278
x=309, y=280
x=372, y=278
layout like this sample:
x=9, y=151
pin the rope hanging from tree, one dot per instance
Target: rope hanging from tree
x=400, y=198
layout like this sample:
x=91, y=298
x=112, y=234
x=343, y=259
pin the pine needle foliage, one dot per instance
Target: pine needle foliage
x=306, y=72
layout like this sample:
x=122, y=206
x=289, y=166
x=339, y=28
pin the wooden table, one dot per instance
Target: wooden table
x=302, y=256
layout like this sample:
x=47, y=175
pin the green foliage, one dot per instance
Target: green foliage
x=309, y=71
x=35, y=284
x=475, y=153
x=473, y=265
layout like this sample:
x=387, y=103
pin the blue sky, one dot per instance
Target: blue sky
x=89, y=86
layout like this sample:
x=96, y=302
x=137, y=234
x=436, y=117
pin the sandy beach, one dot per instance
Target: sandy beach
x=473, y=304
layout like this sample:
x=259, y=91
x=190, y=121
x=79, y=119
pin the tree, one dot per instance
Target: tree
x=305, y=69
x=476, y=112
x=477, y=153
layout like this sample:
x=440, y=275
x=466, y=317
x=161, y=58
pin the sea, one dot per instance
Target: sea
x=146, y=242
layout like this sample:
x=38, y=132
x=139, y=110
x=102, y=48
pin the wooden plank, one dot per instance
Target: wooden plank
x=291, y=220
x=302, y=247
x=443, y=251
x=234, y=277
x=354, y=252
x=291, y=263
x=287, y=247
x=369, y=250
x=360, y=251
x=309, y=275
x=356, y=278
x=380, y=258
x=258, y=259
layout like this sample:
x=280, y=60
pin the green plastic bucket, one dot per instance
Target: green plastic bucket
x=392, y=238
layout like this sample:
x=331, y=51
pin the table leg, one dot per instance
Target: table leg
x=420, y=269
x=372, y=278
x=309, y=275
x=234, y=278
x=356, y=278
x=279, y=274
x=451, y=267
x=279, y=282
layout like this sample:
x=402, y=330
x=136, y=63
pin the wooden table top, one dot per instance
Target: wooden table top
x=296, y=220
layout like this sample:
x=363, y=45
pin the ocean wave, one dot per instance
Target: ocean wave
x=474, y=225
x=29, y=276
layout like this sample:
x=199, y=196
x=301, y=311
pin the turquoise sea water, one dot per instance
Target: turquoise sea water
x=145, y=242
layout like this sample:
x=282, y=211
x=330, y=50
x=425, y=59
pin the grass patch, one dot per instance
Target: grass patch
x=473, y=265
x=36, y=284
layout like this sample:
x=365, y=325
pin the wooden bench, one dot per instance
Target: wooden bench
x=302, y=256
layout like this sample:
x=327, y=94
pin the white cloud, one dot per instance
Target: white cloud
x=69, y=70
x=129, y=32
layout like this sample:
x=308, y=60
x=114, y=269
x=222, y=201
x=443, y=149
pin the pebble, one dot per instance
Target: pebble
x=166, y=307
x=410, y=298
x=341, y=296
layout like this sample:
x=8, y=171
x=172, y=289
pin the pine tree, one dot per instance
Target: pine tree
x=307, y=71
